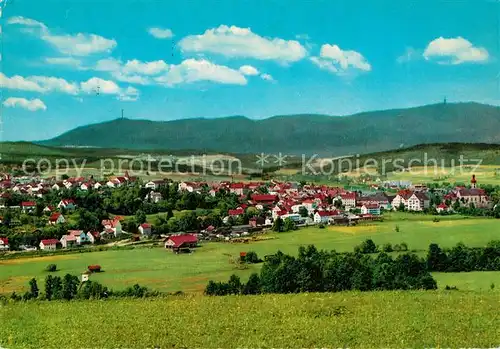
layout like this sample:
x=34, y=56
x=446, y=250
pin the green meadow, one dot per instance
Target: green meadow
x=408, y=319
x=163, y=270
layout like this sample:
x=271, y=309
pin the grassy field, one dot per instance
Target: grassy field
x=430, y=319
x=162, y=270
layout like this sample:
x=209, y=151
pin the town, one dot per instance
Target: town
x=49, y=213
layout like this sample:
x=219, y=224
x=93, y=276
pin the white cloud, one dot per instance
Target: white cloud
x=18, y=82
x=94, y=84
x=41, y=84
x=335, y=60
x=130, y=94
x=80, y=44
x=248, y=70
x=28, y=104
x=146, y=68
x=50, y=84
x=160, y=33
x=267, y=77
x=455, y=51
x=134, y=71
x=242, y=42
x=28, y=22
x=69, y=61
x=409, y=55
x=193, y=70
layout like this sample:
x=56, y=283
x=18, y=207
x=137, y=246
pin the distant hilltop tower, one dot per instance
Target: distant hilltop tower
x=473, y=182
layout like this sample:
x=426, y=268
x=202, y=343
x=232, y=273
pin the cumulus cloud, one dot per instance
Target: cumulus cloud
x=248, y=70
x=80, y=44
x=109, y=87
x=242, y=42
x=267, y=77
x=68, y=61
x=28, y=104
x=133, y=71
x=160, y=33
x=193, y=70
x=40, y=84
x=335, y=60
x=455, y=51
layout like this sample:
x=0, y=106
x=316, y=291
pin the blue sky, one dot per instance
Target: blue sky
x=71, y=63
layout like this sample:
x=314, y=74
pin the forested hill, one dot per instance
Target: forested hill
x=295, y=134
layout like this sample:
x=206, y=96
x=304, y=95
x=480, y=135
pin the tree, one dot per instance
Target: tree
x=140, y=217
x=253, y=285
x=303, y=211
x=33, y=288
x=437, y=260
x=51, y=268
x=289, y=224
x=278, y=225
x=48, y=287
x=234, y=284
x=70, y=286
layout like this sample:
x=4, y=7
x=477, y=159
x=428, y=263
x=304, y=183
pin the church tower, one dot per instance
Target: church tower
x=473, y=182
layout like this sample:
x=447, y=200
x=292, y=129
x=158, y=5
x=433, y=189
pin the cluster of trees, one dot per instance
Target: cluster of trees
x=251, y=257
x=69, y=287
x=462, y=258
x=368, y=246
x=281, y=225
x=322, y=271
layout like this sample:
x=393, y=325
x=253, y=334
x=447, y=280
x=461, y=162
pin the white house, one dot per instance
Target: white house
x=373, y=209
x=56, y=218
x=4, y=244
x=48, y=244
x=145, y=229
x=412, y=201
x=67, y=204
x=325, y=216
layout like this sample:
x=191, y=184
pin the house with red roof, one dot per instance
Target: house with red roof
x=236, y=188
x=264, y=198
x=28, y=206
x=145, y=229
x=326, y=216
x=112, y=227
x=176, y=242
x=56, y=218
x=442, y=208
x=373, y=209
x=49, y=244
x=67, y=204
x=237, y=212
x=4, y=244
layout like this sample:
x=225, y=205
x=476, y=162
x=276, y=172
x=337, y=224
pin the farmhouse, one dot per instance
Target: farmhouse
x=4, y=244
x=67, y=204
x=48, y=244
x=176, y=242
x=28, y=206
x=326, y=216
x=145, y=229
x=114, y=226
x=412, y=201
x=56, y=218
x=373, y=209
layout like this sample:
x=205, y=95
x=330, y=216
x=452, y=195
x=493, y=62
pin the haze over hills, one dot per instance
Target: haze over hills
x=296, y=134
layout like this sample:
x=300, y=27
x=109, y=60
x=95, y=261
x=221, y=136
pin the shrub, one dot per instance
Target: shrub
x=252, y=258
x=397, y=248
x=321, y=226
x=397, y=228
x=387, y=248
x=51, y=268
x=404, y=246
x=367, y=246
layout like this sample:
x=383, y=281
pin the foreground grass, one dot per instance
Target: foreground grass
x=353, y=320
x=162, y=270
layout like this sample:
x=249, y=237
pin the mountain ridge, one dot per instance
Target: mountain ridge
x=364, y=132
